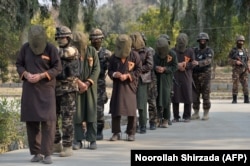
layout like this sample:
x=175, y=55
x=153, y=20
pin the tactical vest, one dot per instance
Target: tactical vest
x=70, y=63
x=66, y=81
x=242, y=55
x=201, y=56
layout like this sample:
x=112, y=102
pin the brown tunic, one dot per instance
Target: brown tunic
x=123, y=99
x=183, y=91
x=38, y=99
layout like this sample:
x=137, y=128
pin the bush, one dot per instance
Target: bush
x=12, y=131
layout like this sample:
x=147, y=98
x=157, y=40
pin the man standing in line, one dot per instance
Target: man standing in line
x=183, y=76
x=146, y=57
x=202, y=76
x=165, y=64
x=96, y=38
x=124, y=69
x=66, y=91
x=87, y=99
x=38, y=63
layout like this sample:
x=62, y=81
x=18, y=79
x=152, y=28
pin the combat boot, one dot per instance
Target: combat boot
x=234, y=99
x=246, y=99
x=195, y=115
x=99, y=135
x=67, y=151
x=164, y=123
x=57, y=148
x=205, y=115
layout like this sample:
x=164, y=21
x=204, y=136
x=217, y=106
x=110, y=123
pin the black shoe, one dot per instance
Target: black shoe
x=92, y=145
x=99, y=136
x=152, y=126
x=143, y=130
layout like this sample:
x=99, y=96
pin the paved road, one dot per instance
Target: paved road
x=227, y=128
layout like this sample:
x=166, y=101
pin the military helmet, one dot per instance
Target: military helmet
x=96, y=34
x=240, y=37
x=63, y=31
x=166, y=37
x=202, y=35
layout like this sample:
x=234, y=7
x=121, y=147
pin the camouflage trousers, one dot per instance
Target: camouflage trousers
x=65, y=108
x=240, y=75
x=102, y=98
x=152, y=109
x=202, y=83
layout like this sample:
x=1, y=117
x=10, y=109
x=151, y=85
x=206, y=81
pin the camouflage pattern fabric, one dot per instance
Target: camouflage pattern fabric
x=65, y=108
x=239, y=75
x=66, y=80
x=102, y=97
x=152, y=94
x=202, y=87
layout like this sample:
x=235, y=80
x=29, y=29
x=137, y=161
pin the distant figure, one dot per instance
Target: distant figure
x=238, y=58
x=202, y=76
x=124, y=69
x=38, y=63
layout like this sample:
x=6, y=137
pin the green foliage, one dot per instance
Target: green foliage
x=11, y=129
x=68, y=14
x=48, y=23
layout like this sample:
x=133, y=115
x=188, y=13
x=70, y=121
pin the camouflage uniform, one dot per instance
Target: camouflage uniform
x=102, y=97
x=239, y=71
x=202, y=76
x=66, y=89
x=152, y=95
x=96, y=37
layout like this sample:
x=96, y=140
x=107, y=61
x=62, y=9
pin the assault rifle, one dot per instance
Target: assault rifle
x=243, y=63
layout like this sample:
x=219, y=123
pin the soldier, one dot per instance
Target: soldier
x=146, y=57
x=38, y=63
x=165, y=64
x=87, y=99
x=66, y=91
x=238, y=58
x=183, y=76
x=202, y=76
x=152, y=93
x=96, y=38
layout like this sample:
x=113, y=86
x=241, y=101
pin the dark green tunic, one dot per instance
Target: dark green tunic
x=165, y=80
x=87, y=101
